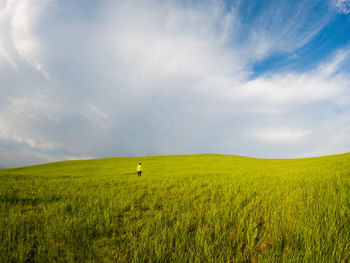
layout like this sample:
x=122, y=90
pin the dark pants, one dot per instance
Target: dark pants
x=139, y=173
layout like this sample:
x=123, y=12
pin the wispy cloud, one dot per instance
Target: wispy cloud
x=96, y=115
x=326, y=82
x=343, y=6
x=17, y=20
x=279, y=135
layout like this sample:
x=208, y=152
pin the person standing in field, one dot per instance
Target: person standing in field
x=139, y=169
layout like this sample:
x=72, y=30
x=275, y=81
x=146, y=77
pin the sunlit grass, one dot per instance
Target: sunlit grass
x=198, y=208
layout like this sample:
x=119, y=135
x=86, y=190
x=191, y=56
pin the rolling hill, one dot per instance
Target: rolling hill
x=188, y=208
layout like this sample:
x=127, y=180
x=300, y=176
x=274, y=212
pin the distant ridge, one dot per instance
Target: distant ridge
x=136, y=158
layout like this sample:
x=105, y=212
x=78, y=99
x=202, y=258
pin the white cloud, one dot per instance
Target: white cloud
x=279, y=135
x=18, y=18
x=95, y=115
x=3, y=131
x=333, y=66
x=166, y=41
x=5, y=56
x=288, y=89
x=9, y=134
x=80, y=158
x=343, y=6
x=37, y=106
x=325, y=83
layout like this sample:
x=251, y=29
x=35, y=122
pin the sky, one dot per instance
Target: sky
x=94, y=79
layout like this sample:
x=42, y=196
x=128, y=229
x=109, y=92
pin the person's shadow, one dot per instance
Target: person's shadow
x=129, y=173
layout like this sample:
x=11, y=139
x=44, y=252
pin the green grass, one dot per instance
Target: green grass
x=195, y=208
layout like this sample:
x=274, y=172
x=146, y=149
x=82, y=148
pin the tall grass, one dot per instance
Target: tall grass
x=198, y=208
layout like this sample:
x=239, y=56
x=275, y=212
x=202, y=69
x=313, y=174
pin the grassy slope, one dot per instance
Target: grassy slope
x=196, y=208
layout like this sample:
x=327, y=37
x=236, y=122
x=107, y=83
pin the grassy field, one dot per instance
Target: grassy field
x=195, y=208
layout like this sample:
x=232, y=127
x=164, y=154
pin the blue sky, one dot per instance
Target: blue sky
x=93, y=79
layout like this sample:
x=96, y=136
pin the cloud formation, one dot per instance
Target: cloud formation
x=166, y=77
x=343, y=6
